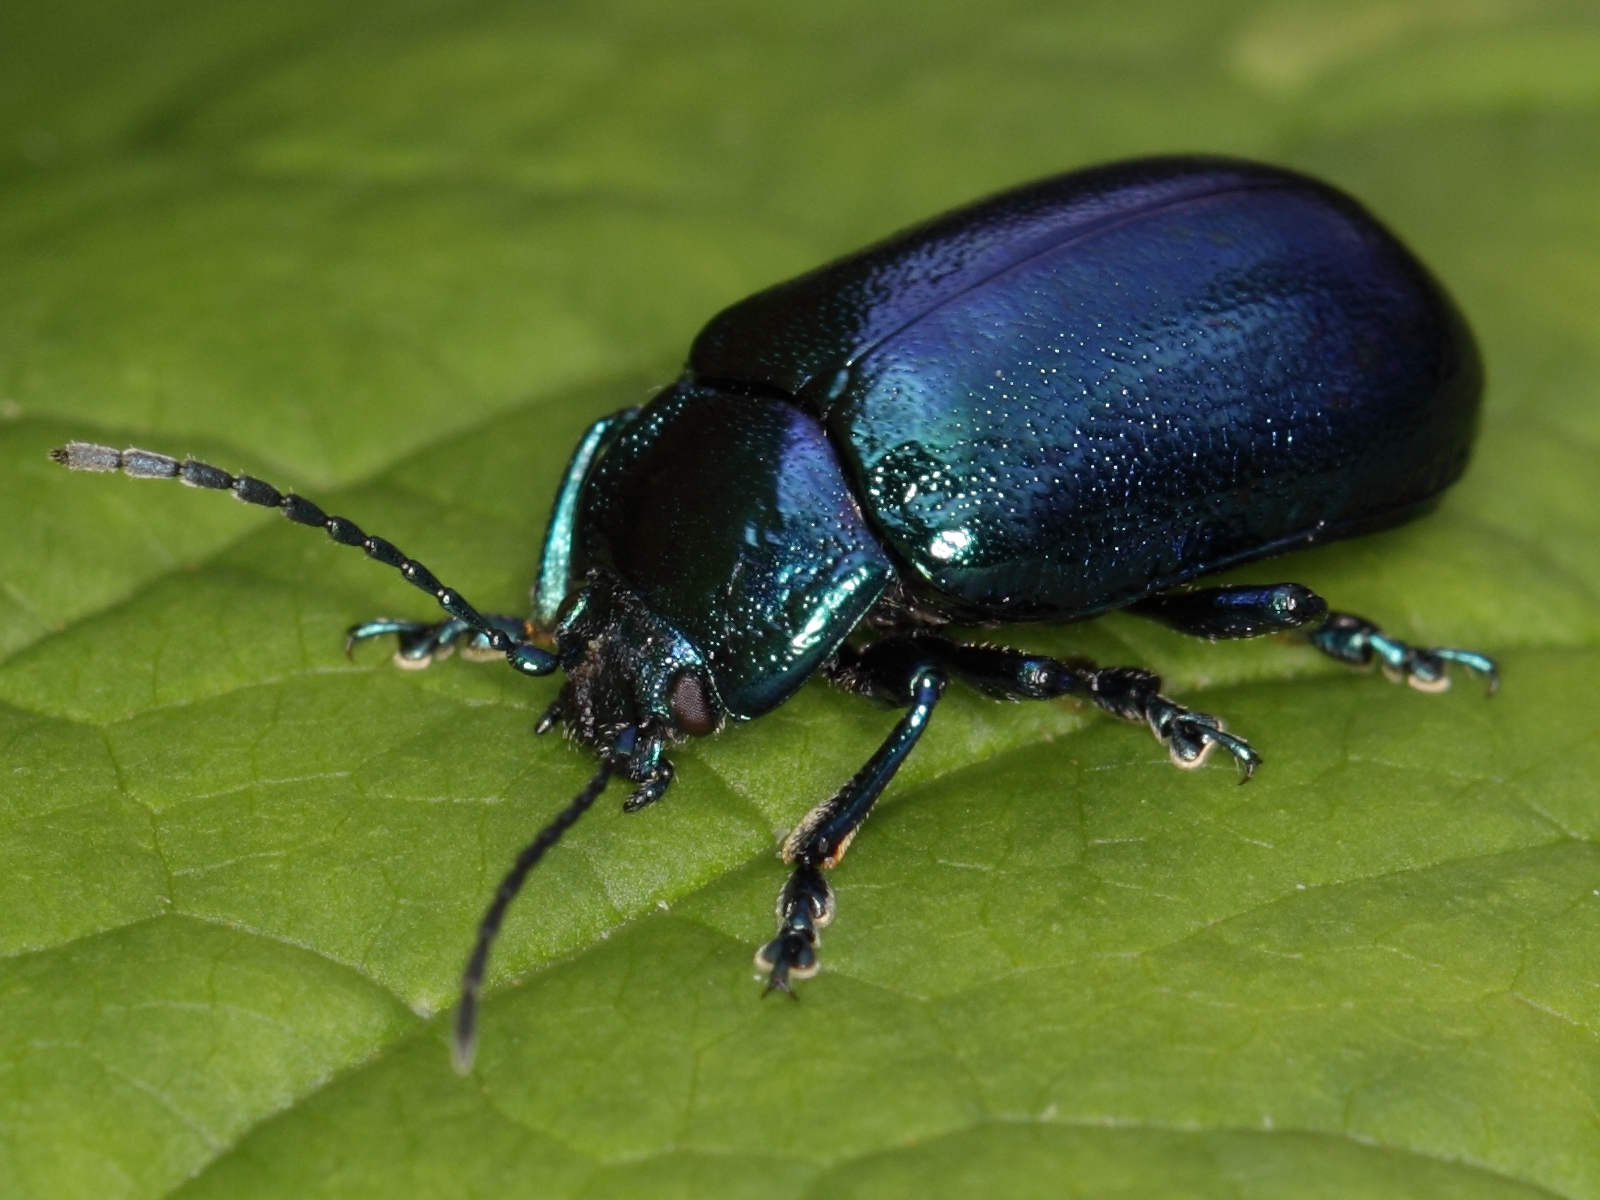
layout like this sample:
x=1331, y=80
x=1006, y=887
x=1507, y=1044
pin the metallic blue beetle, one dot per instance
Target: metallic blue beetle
x=1070, y=398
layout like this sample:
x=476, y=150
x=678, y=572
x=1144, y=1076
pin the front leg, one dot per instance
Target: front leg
x=805, y=904
x=420, y=642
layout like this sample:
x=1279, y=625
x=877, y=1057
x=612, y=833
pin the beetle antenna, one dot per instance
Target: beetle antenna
x=144, y=464
x=464, y=1046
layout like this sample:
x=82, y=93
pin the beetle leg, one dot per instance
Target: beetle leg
x=1250, y=610
x=879, y=670
x=420, y=642
x=1237, y=611
x=1135, y=695
x=1127, y=692
x=1357, y=641
x=647, y=767
x=805, y=904
x=652, y=789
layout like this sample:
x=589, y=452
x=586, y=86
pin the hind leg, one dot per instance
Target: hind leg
x=1251, y=610
x=1357, y=641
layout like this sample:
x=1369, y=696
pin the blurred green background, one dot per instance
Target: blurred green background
x=396, y=255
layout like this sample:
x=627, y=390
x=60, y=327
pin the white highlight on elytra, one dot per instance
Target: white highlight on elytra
x=949, y=544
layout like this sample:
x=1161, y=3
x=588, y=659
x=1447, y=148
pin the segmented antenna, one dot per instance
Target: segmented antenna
x=465, y=1045
x=143, y=464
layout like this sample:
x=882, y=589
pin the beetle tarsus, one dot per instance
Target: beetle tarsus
x=805, y=906
x=1190, y=737
x=651, y=788
x=788, y=956
x=1357, y=641
x=1134, y=694
x=422, y=642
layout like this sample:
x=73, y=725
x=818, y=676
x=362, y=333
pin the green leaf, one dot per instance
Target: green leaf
x=397, y=256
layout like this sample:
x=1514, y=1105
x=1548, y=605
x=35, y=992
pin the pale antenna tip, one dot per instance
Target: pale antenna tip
x=464, y=1043
x=86, y=456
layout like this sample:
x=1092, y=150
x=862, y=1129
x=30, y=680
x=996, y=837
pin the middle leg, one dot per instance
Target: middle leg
x=913, y=671
x=1130, y=693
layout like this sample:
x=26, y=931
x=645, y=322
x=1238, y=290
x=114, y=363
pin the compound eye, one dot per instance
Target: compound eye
x=690, y=707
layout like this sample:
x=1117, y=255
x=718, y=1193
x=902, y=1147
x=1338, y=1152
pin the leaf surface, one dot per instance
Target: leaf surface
x=397, y=256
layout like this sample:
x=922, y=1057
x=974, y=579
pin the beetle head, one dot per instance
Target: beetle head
x=627, y=667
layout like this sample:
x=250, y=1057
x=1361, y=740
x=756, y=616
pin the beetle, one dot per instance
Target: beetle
x=1072, y=397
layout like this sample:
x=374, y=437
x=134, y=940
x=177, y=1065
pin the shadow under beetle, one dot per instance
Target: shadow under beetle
x=1070, y=398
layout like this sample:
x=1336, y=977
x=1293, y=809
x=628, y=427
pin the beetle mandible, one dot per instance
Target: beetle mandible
x=1072, y=397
